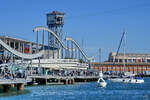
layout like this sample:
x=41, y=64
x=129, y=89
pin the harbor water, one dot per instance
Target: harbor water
x=86, y=91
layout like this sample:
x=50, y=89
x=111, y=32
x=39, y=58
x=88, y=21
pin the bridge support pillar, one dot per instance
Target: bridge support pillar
x=73, y=81
x=66, y=82
x=32, y=82
x=6, y=88
x=59, y=80
x=45, y=81
x=12, y=85
x=20, y=86
x=70, y=81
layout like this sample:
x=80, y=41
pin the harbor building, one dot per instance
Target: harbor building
x=134, y=62
x=129, y=57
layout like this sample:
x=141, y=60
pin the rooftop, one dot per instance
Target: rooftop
x=13, y=38
x=130, y=54
x=56, y=13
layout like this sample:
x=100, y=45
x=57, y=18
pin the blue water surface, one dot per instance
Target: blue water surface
x=87, y=91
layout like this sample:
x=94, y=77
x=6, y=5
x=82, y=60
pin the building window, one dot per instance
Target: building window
x=12, y=44
x=116, y=60
x=148, y=60
x=134, y=60
x=144, y=60
x=139, y=60
x=129, y=60
x=120, y=60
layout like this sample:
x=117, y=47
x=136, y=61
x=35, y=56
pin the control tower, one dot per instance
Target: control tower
x=55, y=21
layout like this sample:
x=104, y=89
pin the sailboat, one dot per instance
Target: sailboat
x=125, y=76
x=101, y=82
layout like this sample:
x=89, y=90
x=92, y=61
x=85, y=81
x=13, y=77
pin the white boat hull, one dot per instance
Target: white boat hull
x=136, y=81
x=127, y=80
x=102, y=84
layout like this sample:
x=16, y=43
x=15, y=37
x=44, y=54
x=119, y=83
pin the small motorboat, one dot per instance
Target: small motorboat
x=128, y=80
x=136, y=80
x=101, y=82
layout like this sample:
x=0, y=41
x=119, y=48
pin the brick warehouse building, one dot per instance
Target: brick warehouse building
x=134, y=62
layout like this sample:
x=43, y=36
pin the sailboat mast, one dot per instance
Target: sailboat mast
x=100, y=58
x=124, y=45
x=120, y=43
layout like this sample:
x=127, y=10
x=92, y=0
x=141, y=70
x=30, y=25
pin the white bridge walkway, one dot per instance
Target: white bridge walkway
x=11, y=81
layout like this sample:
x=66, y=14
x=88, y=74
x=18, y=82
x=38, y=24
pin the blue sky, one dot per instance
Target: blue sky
x=99, y=23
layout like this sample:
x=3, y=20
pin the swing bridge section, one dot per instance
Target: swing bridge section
x=61, y=55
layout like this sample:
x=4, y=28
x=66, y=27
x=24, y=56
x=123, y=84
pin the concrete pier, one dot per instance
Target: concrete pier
x=8, y=83
x=48, y=79
x=44, y=80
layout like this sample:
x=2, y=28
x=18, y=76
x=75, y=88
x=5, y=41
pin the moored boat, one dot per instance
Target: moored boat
x=101, y=82
x=128, y=80
x=136, y=80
